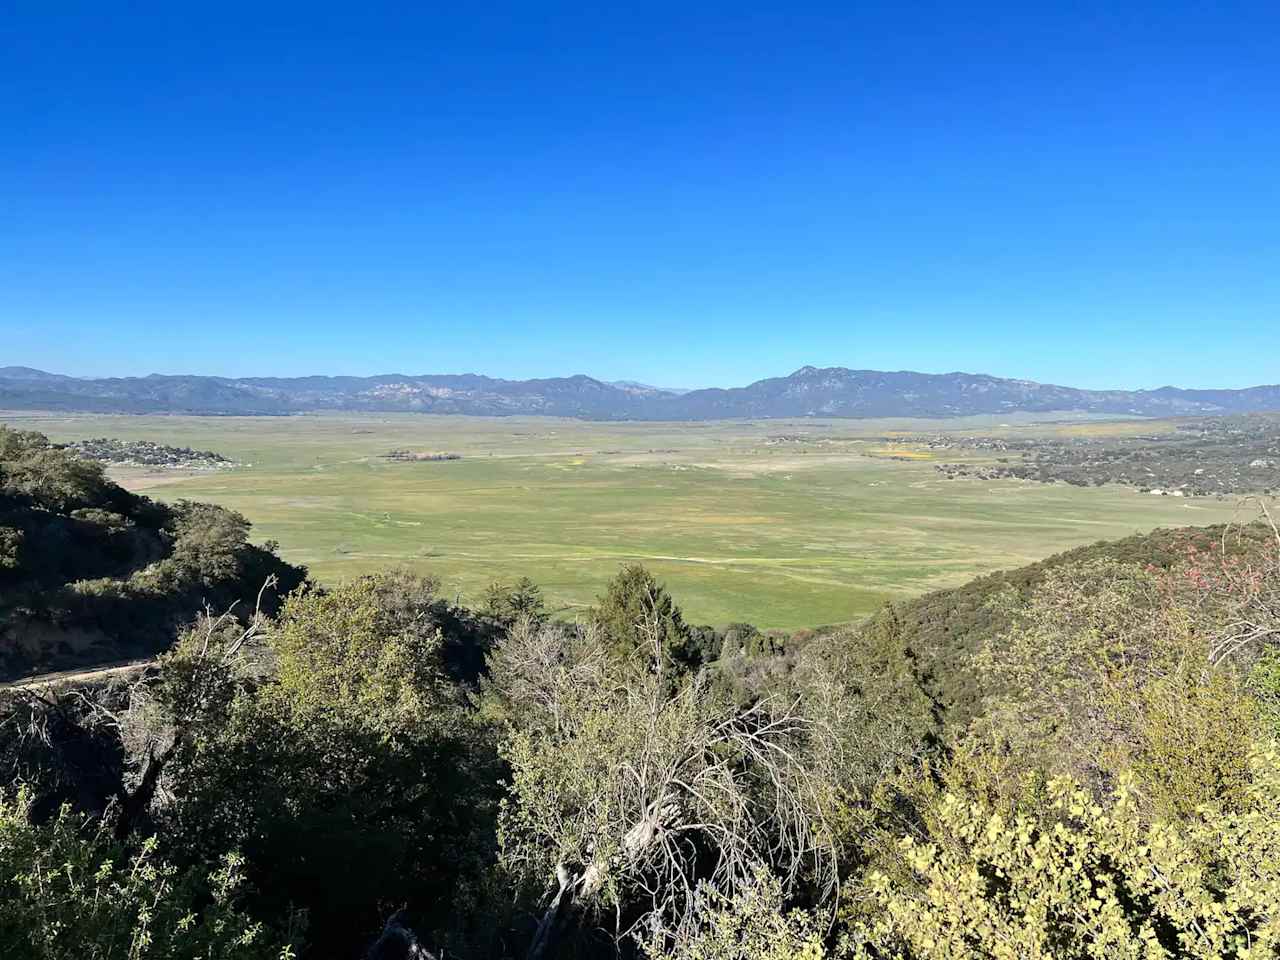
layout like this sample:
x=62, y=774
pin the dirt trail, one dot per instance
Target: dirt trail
x=76, y=676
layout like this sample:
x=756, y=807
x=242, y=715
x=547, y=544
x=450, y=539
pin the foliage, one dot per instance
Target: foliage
x=208, y=540
x=746, y=639
x=705, y=644
x=948, y=629
x=871, y=719
x=633, y=793
x=1089, y=879
x=509, y=602
x=1085, y=781
x=751, y=925
x=1264, y=685
x=367, y=653
x=33, y=469
x=10, y=549
x=637, y=617
x=539, y=675
x=1104, y=672
x=1233, y=594
x=338, y=757
x=68, y=889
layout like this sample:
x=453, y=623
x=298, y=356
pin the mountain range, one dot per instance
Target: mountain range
x=809, y=391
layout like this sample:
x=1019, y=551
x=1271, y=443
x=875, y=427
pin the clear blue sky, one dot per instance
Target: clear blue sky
x=687, y=193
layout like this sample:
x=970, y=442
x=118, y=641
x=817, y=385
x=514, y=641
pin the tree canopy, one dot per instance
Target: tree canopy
x=1077, y=759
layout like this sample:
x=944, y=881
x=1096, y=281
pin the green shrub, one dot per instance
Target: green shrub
x=1084, y=879
x=67, y=889
x=640, y=621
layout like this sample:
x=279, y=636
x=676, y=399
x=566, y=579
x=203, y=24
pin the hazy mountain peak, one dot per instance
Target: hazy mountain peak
x=27, y=373
x=808, y=392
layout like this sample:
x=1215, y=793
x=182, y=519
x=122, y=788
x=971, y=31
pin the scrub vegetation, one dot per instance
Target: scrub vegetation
x=1074, y=758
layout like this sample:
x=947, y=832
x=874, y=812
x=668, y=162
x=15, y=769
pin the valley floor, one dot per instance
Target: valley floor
x=786, y=524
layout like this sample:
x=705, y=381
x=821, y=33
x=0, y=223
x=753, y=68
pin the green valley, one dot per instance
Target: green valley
x=783, y=523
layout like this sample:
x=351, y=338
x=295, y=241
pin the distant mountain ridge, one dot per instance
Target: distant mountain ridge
x=809, y=391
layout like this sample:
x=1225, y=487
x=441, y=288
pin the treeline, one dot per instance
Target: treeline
x=1076, y=759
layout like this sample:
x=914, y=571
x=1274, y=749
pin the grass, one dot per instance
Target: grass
x=817, y=527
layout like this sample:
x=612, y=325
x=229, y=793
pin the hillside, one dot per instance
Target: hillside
x=945, y=630
x=90, y=573
x=809, y=391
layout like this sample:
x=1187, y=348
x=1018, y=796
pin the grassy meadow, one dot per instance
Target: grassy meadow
x=782, y=523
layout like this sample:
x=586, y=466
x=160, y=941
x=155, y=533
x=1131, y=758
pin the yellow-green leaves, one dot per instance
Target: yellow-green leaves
x=366, y=653
x=68, y=890
x=1089, y=880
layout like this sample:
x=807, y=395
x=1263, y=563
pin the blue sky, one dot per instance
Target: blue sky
x=685, y=194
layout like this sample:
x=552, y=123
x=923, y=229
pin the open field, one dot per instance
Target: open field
x=782, y=523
